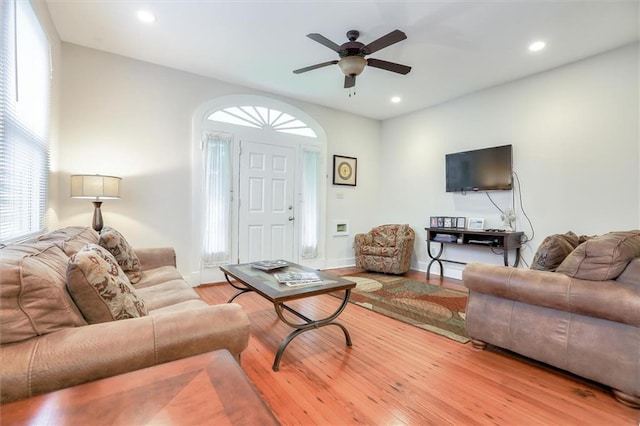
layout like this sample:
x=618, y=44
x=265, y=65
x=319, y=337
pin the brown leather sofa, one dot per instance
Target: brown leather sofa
x=584, y=317
x=386, y=248
x=47, y=344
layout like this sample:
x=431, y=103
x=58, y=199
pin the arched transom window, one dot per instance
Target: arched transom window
x=263, y=118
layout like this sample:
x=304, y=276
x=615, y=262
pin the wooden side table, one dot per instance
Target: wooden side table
x=204, y=389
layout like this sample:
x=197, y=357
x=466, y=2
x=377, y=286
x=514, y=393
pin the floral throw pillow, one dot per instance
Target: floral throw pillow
x=100, y=288
x=113, y=241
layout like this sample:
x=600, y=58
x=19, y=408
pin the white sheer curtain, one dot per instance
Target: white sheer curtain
x=309, y=207
x=217, y=199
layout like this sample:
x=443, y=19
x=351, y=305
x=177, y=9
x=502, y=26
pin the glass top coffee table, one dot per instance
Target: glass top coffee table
x=249, y=279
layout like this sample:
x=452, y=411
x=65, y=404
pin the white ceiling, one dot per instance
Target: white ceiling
x=454, y=47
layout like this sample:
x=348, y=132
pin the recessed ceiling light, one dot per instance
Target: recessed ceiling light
x=145, y=16
x=537, y=46
x=396, y=99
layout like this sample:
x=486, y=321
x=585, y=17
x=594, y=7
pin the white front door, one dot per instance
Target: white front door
x=266, y=202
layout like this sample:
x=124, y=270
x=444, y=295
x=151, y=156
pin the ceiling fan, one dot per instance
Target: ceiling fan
x=352, y=55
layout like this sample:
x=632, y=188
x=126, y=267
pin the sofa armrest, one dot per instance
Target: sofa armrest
x=608, y=300
x=151, y=258
x=83, y=354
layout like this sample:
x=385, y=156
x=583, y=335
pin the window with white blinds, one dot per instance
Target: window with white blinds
x=25, y=72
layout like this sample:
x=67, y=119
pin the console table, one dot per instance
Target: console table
x=502, y=240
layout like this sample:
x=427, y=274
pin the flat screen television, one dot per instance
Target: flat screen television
x=485, y=169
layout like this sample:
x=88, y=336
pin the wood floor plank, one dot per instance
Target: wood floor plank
x=396, y=373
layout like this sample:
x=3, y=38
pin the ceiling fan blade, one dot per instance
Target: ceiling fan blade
x=316, y=66
x=384, y=41
x=325, y=42
x=349, y=81
x=388, y=66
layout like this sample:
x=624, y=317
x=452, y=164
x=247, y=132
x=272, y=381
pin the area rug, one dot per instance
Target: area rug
x=436, y=309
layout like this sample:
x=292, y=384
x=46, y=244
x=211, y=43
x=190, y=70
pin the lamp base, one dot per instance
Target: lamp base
x=97, y=217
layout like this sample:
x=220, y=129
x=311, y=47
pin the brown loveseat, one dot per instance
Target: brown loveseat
x=48, y=343
x=386, y=248
x=584, y=317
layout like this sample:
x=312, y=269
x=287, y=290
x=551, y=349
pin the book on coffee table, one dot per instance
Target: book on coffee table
x=297, y=278
x=269, y=265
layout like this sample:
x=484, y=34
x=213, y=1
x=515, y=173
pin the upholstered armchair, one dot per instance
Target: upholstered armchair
x=386, y=248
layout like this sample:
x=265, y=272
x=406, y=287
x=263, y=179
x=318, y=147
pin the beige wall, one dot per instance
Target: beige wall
x=576, y=144
x=134, y=119
x=574, y=131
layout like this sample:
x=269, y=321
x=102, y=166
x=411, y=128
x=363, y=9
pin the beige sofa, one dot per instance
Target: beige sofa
x=582, y=317
x=48, y=344
x=386, y=248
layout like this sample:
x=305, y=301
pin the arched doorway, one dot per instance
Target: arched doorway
x=267, y=161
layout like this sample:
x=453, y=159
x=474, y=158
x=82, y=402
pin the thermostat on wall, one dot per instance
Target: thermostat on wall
x=340, y=227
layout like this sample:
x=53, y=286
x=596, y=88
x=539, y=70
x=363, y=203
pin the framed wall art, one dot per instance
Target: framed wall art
x=344, y=170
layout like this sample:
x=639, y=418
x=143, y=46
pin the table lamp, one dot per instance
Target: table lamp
x=96, y=187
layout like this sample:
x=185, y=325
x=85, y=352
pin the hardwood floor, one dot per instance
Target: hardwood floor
x=399, y=374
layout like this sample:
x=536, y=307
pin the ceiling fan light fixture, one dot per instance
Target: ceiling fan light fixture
x=352, y=65
x=352, y=55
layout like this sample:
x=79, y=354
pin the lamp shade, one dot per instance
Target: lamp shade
x=352, y=65
x=95, y=186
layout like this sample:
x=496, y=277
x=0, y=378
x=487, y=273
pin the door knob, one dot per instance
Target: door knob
x=291, y=218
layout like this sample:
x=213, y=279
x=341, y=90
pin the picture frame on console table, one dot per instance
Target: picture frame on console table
x=461, y=222
x=476, y=223
x=433, y=222
x=345, y=170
